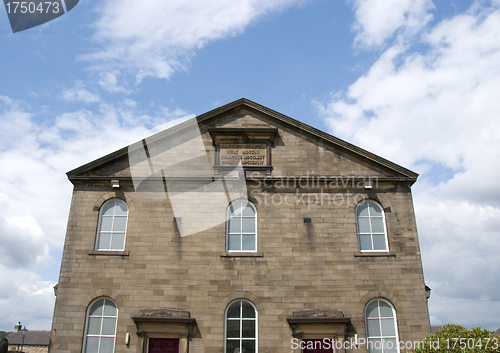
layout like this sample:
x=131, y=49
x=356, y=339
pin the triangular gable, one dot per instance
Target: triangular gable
x=111, y=164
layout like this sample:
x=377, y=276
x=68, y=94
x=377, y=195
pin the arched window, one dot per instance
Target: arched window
x=381, y=327
x=241, y=227
x=241, y=327
x=112, y=226
x=100, y=327
x=372, y=235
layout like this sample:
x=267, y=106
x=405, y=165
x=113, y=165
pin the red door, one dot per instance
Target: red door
x=163, y=345
x=317, y=346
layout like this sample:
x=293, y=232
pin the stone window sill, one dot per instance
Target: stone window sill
x=375, y=254
x=241, y=254
x=109, y=253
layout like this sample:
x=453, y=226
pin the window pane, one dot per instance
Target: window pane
x=248, y=242
x=390, y=345
x=106, y=223
x=375, y=209
x=373, y=327
x=234, y=310
x=388, y=328
x=241, y=329
x=104, y=240
x=372, y=310
x=120, y=208
x=92, y=345
x=234, y=242
x=235, y=225
x=363, y=225
x=101, y=326
x=96, y=309
x=362, y=210
x=109, y=308
x=233, y=329
x=248, y=329
x=248, y=211
x=120, y=224
x=248, y=346
x=248, y=225
x=379, y=242
x=248, y=311
x=117, y=241
x=108, y=326
x=375, y=345
x=385, y=310
x=106, y=345
x=365, y=242
x=232, y=346
x=108, y=209
x=94, y=326
x=236, y=209
x=377, y=225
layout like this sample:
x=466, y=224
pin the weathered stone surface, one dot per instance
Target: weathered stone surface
x=318, y=313
x=301, y=268
x=162, y=313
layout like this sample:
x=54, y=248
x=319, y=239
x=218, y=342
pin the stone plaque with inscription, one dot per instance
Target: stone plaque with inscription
x=251, y=154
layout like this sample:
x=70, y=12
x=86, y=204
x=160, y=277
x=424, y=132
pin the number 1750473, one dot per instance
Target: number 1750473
x=32, y=7
x=471, y=343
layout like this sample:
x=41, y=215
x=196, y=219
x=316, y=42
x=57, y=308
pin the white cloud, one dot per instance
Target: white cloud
x=156, y=38
x=378, y=20
x=459, y=243
x=14, y=120
x=431, y=110
x=446, y=97
x=25, y=297
x=78, y=93
x=108, y=80
x=23, y=244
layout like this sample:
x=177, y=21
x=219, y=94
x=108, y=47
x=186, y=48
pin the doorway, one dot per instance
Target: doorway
x=163, y=345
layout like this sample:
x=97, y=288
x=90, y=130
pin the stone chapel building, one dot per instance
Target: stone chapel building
x=241, y=230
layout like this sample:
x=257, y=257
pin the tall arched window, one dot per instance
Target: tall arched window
x=100, y=326
x=112, y=226
x=241, y=227
x=241, y=327
x=381, y=327
x=372, y=234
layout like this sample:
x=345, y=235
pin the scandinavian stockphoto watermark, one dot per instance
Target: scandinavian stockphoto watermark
x=310, y=190
x=310, y=180
x=28, y=14
x=354, y=344
x=391, y=345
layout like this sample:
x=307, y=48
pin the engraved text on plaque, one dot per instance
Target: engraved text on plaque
x=251, y=154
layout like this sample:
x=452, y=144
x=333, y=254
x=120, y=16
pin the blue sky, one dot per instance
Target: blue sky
x=414, y=81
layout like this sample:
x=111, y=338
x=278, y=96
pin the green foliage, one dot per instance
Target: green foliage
x=457, y=339
x=3, y=334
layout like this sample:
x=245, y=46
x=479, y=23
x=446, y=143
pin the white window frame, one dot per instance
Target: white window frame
x=367, y=202
x=87, y=319
x=256, y=339
x=228, y=217
x=98, y=236
x=381, y=337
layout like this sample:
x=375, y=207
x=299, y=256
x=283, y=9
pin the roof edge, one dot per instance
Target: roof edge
x=318, y=133
x=260, y=108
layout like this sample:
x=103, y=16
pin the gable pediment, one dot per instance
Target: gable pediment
x=285, y=146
